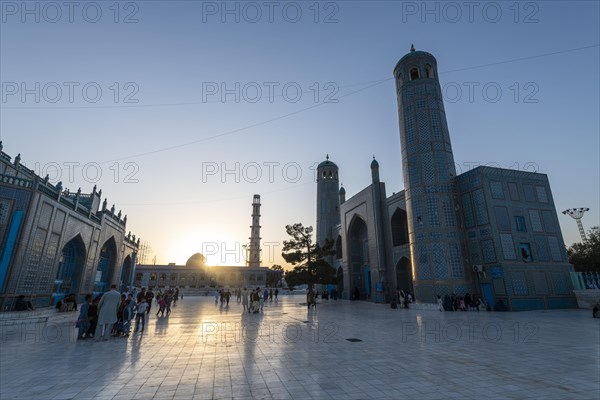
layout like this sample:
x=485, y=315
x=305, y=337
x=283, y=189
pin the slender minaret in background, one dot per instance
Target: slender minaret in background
x=429, y=180
x=328, y=200
x=254, y=256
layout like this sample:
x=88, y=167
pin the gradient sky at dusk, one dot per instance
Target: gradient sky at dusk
x=155, y=154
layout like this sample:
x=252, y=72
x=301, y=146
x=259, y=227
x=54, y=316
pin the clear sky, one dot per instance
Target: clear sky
x=154, y=101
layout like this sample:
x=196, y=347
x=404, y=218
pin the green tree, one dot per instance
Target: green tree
x=275, y=276
x=307, y=257
x=585, y=256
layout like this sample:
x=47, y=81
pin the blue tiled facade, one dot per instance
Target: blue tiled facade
x=501, y=221
x=522, y=215
x=39, y=222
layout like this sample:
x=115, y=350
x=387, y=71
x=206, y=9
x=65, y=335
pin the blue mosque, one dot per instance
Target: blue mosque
x=54, y=242
x=489, y=231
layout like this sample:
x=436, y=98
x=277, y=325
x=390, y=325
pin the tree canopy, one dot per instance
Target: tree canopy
x=585, y=256
x=307, y=257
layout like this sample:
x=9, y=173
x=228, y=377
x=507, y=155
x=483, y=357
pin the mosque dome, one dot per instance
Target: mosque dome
x=327, y=163
x=196, y=261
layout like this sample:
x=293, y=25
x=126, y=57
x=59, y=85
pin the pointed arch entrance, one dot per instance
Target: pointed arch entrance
x=360, y=271
x=106, y=266
x=404, y=275
x=70, y=269
x=340, y=281
x=125, y=273
x=399, y=225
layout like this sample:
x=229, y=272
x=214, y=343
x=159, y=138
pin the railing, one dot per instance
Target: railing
x=13, y=180
x=586, y=280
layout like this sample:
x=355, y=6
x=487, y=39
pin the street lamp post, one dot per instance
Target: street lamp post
x=577, y=214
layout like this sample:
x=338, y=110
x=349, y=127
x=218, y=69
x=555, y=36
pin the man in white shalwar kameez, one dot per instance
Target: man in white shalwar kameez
x=107, y=312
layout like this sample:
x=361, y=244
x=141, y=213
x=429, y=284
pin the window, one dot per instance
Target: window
x=428, y=71
x=520, y=221
x=414, y=74
x=525, y=249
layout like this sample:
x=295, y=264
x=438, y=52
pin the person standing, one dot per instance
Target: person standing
x=255, y=300
x=244, y=296
x=142, y=308
x=168, y=301
x=149, y=298
x=107, y=312
x=93, y=316
x=310, y=299
x=83, y=322
x=129, y=311
x=276, y=294
x=440, y=303
x=140, y=294
x=262, y=299
x=161, y=305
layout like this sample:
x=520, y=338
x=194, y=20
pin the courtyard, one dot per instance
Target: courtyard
x=341, y=350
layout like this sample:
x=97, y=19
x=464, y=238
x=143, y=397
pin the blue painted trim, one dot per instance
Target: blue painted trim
x=13, y=231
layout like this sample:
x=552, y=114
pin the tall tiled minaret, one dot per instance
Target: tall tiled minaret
x=429, y=179
x=254, y=256
x=328, y=200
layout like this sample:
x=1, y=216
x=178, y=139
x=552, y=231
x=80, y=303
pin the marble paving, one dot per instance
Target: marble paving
x=204, y=351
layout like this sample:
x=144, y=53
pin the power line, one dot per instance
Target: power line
x=194, y=103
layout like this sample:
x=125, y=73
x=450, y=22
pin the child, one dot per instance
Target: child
x=142, y=308
x=161, y=306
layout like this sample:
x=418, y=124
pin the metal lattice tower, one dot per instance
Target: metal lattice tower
x=577, y=214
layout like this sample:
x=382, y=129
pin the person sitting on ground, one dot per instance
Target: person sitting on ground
x=448, y=306
x=22, y=305
x=69, y=303
x=596, y=310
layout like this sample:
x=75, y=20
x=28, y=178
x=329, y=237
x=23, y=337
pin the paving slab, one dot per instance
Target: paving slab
x=203, y=351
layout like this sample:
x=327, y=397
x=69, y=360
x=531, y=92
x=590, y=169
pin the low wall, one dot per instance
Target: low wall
x=587, y=298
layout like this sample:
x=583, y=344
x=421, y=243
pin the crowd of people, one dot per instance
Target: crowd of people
x=113, y=313
x=459, y=303
x=252, y=301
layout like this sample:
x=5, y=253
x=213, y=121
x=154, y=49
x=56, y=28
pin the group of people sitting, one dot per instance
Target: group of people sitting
x=459, y=303
x=67, y=304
